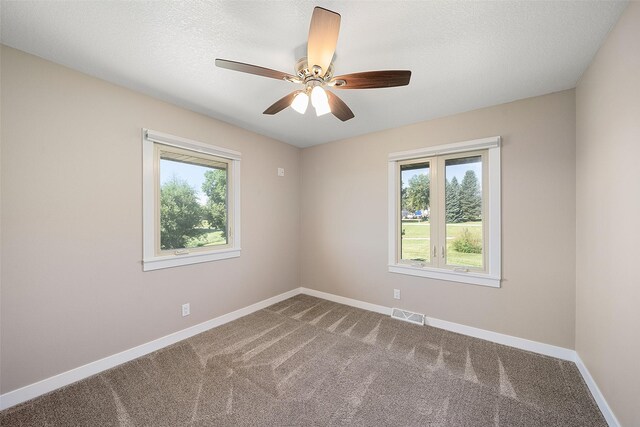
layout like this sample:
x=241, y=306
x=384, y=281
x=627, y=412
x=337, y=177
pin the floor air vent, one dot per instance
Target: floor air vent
x=408, y=316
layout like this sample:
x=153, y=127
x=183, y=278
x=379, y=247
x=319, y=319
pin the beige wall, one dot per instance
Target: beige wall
x=608, y=218
x=73, y=290
x=344, y=220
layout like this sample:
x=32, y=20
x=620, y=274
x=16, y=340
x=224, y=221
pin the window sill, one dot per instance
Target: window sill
x=452, y=276
x=157, y=263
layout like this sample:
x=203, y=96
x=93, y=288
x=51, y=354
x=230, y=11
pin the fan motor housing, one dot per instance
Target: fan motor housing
x=305, y=73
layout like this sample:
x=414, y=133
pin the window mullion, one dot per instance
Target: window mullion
x=439, y=214
x=432, y=233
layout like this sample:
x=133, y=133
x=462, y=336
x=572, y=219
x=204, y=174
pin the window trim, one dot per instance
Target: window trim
x=492, y=276
x=154, y=261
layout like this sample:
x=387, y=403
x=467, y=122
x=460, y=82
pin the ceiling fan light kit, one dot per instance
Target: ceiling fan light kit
x=315, y=72
x=300, y=102
x=320, y=101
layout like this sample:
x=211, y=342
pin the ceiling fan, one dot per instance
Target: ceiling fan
x=315, y=72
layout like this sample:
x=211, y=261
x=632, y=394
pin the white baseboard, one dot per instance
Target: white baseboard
x=521, y=343
x=509, y=340
x=347, y=301
x=597, y=394
x=47, y=385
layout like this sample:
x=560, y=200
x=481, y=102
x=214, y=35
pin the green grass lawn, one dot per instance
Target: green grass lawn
x=207, y=238
x=416, y=243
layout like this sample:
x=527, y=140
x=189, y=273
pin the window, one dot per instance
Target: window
x=444, y=212
x=191, y=200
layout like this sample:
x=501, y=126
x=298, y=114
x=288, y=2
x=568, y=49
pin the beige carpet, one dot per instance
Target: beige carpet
x=307, y=362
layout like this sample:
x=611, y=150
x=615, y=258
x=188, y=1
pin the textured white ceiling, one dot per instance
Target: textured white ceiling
x=463, y=55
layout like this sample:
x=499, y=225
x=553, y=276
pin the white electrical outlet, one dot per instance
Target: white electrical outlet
x=186, y=309
x=280, y=171
x=396, y=293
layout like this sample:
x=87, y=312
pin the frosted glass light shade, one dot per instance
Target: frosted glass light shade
x=300, y=102
x=320, y=101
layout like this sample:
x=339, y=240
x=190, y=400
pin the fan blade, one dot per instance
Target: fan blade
x=323, y=38
x=339, y=108
x=281, y=104
x=373, y=79
x=253, y=69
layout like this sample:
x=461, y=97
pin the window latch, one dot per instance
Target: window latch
x=181, y=252
x=442, y=250
x=435, y=251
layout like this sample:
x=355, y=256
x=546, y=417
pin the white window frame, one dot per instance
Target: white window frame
x=154, y=259
x=491, y=275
